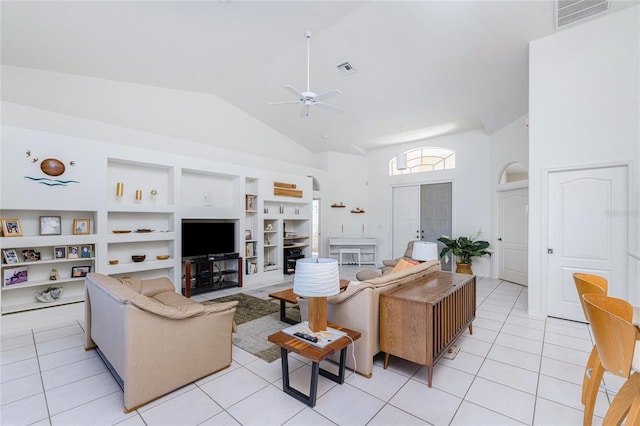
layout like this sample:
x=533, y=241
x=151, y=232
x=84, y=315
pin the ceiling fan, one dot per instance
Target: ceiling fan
x=308, y=99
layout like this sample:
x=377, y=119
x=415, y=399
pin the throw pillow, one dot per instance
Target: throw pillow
x=402, y=265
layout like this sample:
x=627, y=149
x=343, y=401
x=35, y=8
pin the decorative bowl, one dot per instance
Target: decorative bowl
x=162, y=256
x=114, y=262
x=138, y=257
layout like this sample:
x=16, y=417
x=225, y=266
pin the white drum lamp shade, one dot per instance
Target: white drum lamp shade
x=424, y=250
x=315, y=279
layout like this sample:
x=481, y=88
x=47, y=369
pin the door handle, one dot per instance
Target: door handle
x=500, y=239
x=549, y=251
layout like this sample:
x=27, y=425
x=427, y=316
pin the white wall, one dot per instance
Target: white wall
x=169, y=115
x=471, y=189
x=346, y=182
x=584, y=110
x=509, y=144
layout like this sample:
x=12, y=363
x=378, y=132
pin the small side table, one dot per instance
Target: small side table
x=289, y=343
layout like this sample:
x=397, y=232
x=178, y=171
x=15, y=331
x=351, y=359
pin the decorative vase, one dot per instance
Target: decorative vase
x=463, y=268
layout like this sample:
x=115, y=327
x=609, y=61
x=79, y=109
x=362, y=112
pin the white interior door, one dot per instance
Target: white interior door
x=406, y=217
x=587, y=232
x=513, y=235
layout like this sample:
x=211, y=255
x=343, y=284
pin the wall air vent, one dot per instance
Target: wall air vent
x=570, y=11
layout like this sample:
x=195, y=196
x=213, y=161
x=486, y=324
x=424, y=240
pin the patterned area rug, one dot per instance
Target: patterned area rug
x=256, y=319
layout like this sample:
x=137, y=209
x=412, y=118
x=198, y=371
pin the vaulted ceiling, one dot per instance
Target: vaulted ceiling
x=426, y=67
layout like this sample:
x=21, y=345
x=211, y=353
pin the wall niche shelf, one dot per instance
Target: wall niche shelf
x=20, y=296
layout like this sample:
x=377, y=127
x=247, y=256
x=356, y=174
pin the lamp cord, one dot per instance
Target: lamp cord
x=353, y=354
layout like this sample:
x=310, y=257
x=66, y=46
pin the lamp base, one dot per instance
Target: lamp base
x=317, y=313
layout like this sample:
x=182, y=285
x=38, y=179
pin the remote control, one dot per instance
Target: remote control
x=306, y=336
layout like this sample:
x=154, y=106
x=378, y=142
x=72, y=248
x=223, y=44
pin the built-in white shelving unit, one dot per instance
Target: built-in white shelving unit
x=24, y=278
x=136, y=201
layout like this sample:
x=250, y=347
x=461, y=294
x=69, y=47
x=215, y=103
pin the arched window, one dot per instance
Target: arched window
x=513, y=172
x=424, y=159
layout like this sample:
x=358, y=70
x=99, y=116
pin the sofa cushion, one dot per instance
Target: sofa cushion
x=112, y=287
x=154, y=306
x=171, y=298
x=150, y=287
x=367, y=274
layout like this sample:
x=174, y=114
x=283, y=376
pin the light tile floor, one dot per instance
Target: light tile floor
x=514, y=369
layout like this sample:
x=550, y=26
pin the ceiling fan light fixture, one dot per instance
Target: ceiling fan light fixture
x=308, y=98
x=401, y=161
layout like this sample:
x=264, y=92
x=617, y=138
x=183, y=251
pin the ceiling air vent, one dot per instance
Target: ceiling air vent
x=346, y=68
x=570, y=11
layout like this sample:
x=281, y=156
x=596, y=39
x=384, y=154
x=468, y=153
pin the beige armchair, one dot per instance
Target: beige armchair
x=155, y=339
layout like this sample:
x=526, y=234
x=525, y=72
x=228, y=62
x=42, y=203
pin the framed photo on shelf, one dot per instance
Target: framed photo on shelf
x=11, y=227
x=15, y=276
x=50, y=225
x=80, y=271
x=247, y=234
x=81, y=226
x=85, y=251
x=30, y=255
x=10, y=256
x=73, y=252
x=60, y=252
x=250, y=202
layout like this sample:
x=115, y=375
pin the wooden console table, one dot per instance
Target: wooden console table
x=419, y=322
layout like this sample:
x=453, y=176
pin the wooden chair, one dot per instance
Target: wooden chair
x=618, y=345
x=593, y=372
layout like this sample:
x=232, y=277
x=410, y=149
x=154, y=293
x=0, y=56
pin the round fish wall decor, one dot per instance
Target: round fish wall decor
x=50, y=167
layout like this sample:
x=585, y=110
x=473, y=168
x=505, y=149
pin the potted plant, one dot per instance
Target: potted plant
x=465, y=249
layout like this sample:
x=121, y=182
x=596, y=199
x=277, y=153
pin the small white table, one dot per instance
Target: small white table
x=365, y=245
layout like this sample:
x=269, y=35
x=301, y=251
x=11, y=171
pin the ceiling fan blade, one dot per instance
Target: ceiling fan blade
x=284, y=103
x=329, y=107
x=294, y=91
x=327, y=95
x=304, y=111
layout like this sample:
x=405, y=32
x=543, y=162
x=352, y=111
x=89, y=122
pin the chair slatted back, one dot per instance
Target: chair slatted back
x=590, y=284
x=613, y=332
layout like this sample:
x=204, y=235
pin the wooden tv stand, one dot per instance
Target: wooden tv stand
x=211, y=273
x=419, y=322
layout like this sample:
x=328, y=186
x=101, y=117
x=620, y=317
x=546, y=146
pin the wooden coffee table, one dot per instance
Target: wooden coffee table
x=288, y=296
x=303, y=348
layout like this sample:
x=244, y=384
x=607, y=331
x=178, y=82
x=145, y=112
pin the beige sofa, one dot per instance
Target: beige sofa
x=154, y=338
x=388, y=265
x=357, y=308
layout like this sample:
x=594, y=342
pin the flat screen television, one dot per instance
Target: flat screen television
x=200, y=238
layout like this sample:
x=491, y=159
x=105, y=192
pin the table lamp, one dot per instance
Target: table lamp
x=424, y=250
x=315, y=279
